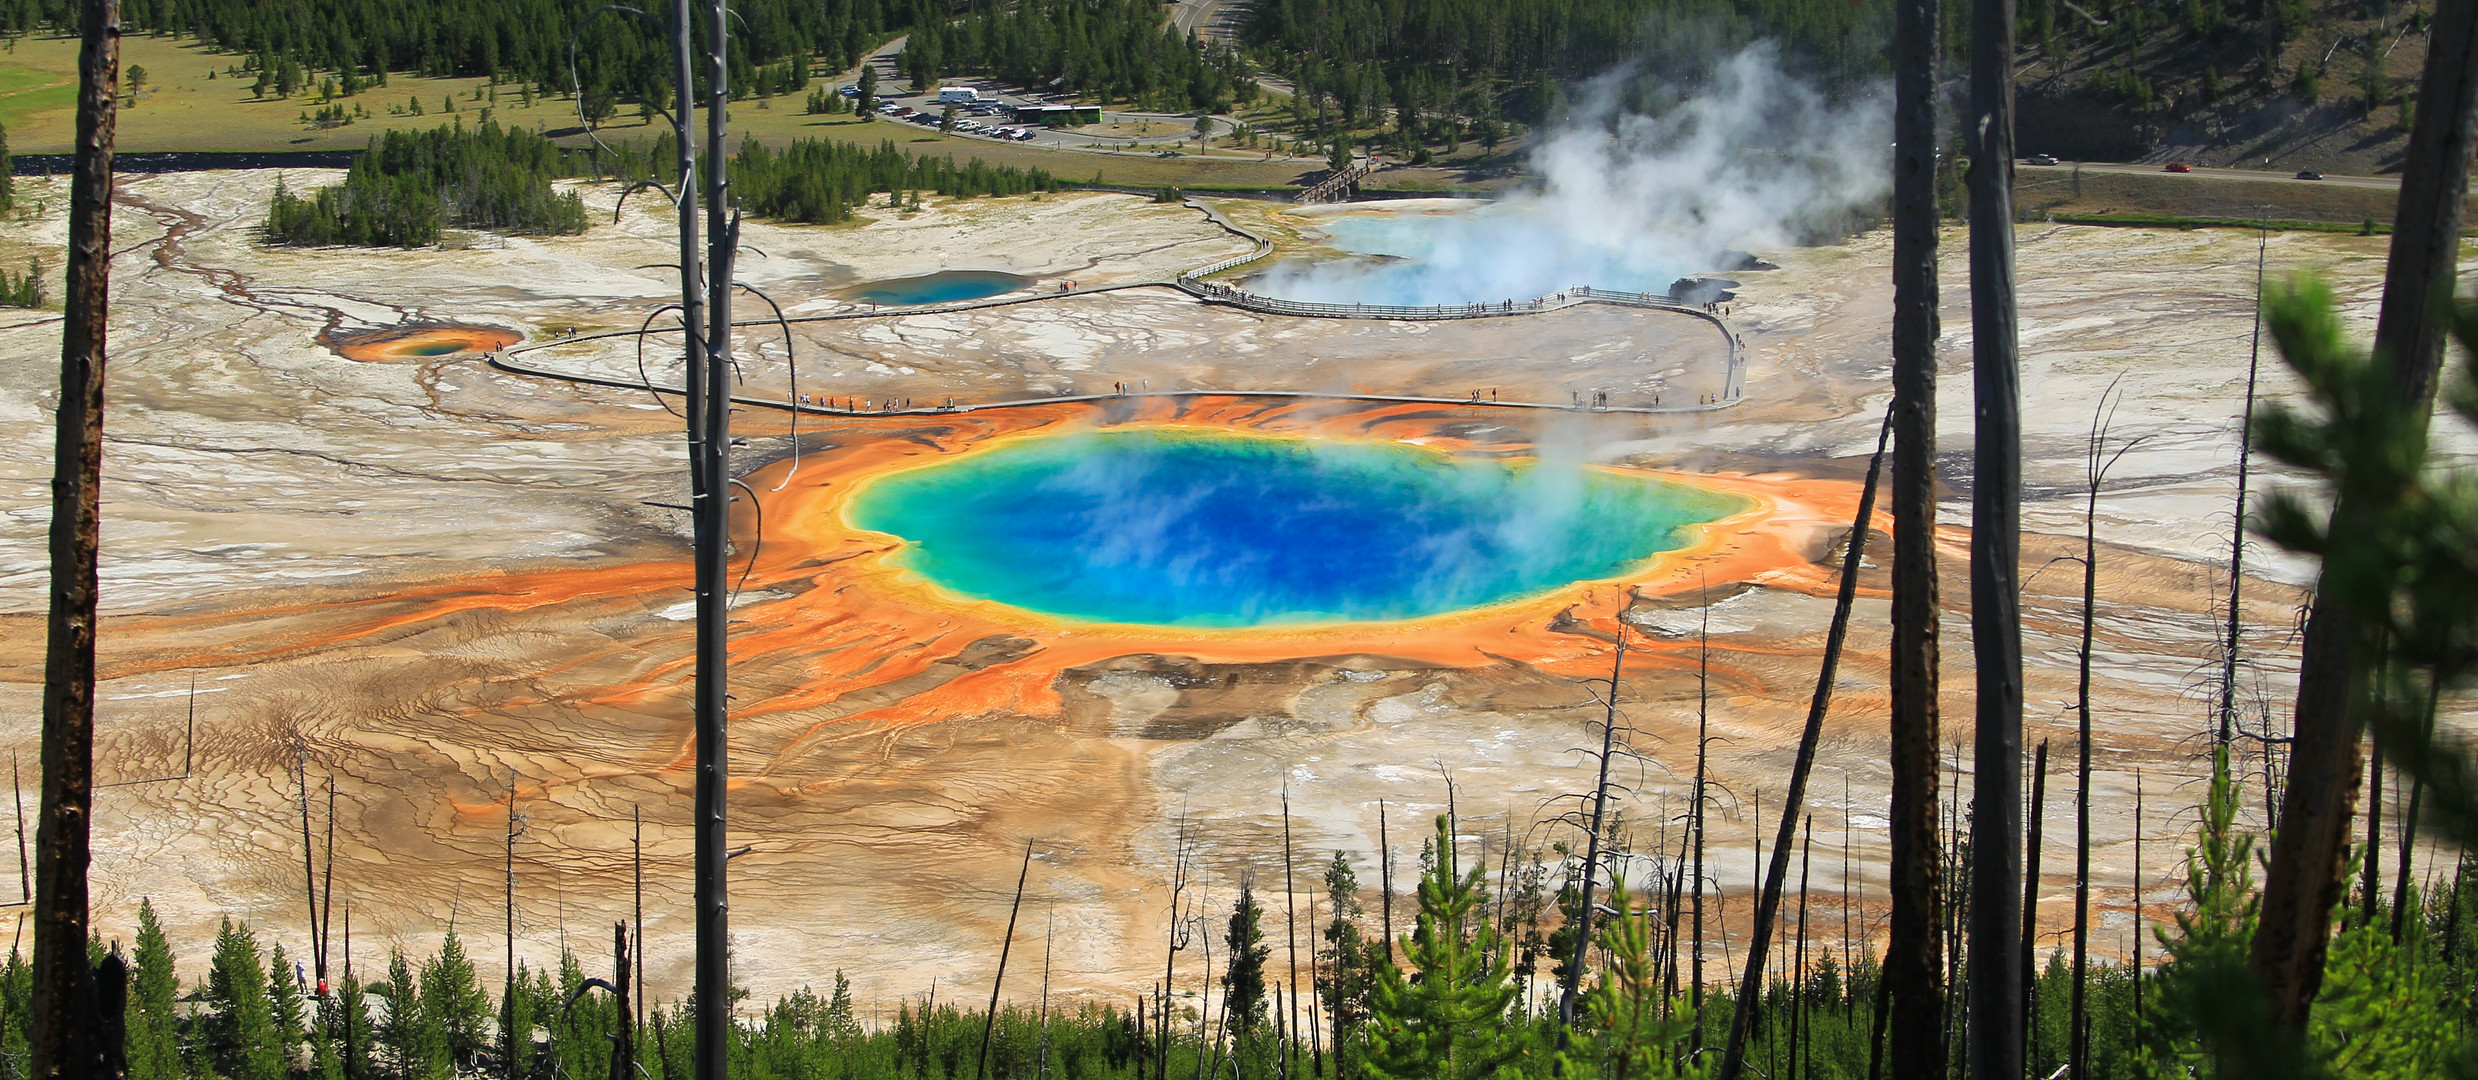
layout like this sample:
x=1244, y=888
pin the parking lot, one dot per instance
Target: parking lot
x=997, y=114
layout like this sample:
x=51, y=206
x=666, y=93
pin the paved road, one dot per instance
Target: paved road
x=1216, y=20
x=2384, y=182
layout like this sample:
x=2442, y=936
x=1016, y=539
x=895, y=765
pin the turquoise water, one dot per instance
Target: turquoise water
x=943, y=287
x=1224, y=530
x=1487, y=252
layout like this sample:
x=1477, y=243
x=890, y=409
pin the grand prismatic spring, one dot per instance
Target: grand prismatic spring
x=1200, y=528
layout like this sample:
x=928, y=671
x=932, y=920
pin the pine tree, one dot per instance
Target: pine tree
x=414, y=1039
x=243, y=1041
x=2205, y=976
x=349, y=1020
x=1350, y=965
x=455, y=1007
x=16, y=999
x=517, y=1016
x=1448, y=1022
x=154, y=1029
x=8, y=178
x=1626, y=1036
x=285, y=1004
x=839, y=1023
x=1243, y=983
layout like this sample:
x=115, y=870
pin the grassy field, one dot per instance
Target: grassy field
x=2140, y=198
x=190, y=103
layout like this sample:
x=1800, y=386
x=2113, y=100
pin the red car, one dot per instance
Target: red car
x=2179, y=166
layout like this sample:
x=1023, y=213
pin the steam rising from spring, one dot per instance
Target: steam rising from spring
x=1752, y=158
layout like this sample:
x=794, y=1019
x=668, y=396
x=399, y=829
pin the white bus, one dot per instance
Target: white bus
x=957, y=95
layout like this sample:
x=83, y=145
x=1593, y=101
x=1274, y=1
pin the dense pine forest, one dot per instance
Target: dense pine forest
x=2110, y=80
x=361, y=42
x=1492, y=59
x=819, y=181
x=1108, y=50
x=410, y=185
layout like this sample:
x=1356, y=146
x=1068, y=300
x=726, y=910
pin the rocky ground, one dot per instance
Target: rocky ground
x=423, y=577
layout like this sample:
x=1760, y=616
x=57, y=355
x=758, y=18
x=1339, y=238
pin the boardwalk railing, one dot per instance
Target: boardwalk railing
x=1263, y=249
x=1335, y=186
x=1218, y=293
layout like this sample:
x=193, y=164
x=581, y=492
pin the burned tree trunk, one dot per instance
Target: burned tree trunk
x=1572, y=988
x=2030, y=890
x=624, y=1044
x=989, y=1022
x=67, y=1044
x=1695, y=821
x=2309, y=850
x=1911, y=971
x=1995, y=1034
x=2409, y=824
x=2237, y=531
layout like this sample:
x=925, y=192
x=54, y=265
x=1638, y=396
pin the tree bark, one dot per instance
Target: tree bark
x=2030, y=895
x=2308, y=852
x=989, y=1021
x=68, y=1042
x=1913, y=980
x=624, y=1046
x=1995, y=927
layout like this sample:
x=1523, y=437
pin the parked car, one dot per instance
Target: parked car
x=1023, y=134
x=2178, y=166
x=2040, y=159
x=2309, y=174
x=849, y=91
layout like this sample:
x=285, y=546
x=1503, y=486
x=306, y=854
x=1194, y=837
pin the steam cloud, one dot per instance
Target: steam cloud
x=1754, y=158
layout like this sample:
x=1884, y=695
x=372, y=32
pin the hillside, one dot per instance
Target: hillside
x=2278, y=84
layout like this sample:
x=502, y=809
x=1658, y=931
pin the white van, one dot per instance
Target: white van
x=958, y=95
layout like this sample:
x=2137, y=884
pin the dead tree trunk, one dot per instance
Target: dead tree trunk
x=1768, y=905
x=2370, y=858
x=1290, y=928
x=1912, y=949
x=66, y=1040
x=1567, y=994
x=2409, y=825
x=1175, y=939
x=2078, y=1035
x=309, y=868
x=989, y=1023
x=2141, y=925
x=1385, y=880
x=2237, y=532
x=1995, y=1032
x=2308, y=852
x=1695, y=817
x=1801, y=1059
x=624, y=1045
x=2030, y=893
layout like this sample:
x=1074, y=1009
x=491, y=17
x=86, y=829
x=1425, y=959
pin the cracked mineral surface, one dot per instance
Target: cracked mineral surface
x=443, y=585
